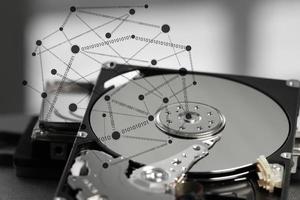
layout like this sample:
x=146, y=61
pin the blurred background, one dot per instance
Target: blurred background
x=256, y=38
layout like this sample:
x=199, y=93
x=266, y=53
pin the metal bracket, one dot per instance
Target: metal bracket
x=98, y=176
x=160, y=177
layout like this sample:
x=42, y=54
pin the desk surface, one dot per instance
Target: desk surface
x=14, y=188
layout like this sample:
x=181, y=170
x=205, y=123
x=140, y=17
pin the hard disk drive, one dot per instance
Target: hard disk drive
x=152, y=133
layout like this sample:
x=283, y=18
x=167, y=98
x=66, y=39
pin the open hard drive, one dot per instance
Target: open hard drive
x=153, y=133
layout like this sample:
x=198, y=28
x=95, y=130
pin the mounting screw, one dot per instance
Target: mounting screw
x=59, y=198
x=82, y=134
x=293, y=83
x=155, y=175
x=286, y=155
x=196, y=147
x=37, y=133
x=112, y=64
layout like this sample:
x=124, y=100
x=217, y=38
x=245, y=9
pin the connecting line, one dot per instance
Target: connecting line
x=99, y=36
x=66, y=38
x=42, y=70
x=112, y=17
x=128, y=80
x=167, y=117
x=49, y=35
x=161, y=85
x=104, y=130
x=118, y=26
x=185, y=96
x=65, y=64
x=73, y=82
x=113, y=56
x=111, y=116
x=66, y=20
x=175, y=54
x=81, y=34
x=97, y=156
x=39, y=92
x=114, y=92
x=144, y=138
x=137, y=84
x=160, y=106
x=139, y=154
x=117, y=113
x=146, y=106
x=152, y=92
x=97, y=61
x=176, y=93
x=79, y=117
x=57, y=112
x=36, y=48
x=34, y=89
x=89, y=74
x=83, y=77
x=129, y=107
x=159, y=42
x=108, y=7
x=143, y=47
x=124, y=77
x=42, y=113
x=102, y=44
x=192, y=66
x=174, y=50
x=172, y=91
x=82, y=99
x=59, y=89
x=145, y=79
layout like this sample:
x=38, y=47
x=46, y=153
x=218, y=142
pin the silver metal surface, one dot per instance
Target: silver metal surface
x=162, y=176
x=255, y=124
x=199, y=121
x=109, y=183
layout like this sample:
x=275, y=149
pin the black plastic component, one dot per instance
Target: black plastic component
x=42, y=158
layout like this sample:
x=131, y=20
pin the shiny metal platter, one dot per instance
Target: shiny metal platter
x=151, y=119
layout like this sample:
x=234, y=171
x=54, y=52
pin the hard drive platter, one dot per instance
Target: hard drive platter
x=254, y=124
x=156, y=133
